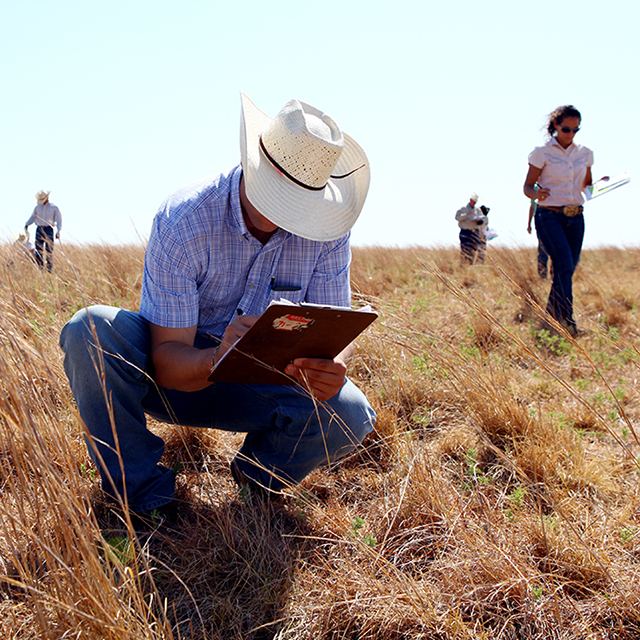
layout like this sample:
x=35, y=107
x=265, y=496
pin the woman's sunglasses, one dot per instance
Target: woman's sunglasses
x=569, y=129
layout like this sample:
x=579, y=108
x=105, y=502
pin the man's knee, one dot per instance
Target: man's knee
x=355, y=413
x=82, y=329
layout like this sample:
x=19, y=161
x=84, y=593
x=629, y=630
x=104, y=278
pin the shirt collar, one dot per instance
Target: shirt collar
x=234, y=202
x=569, y=149
x=236, y=210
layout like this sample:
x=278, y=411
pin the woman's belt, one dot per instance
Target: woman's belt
x=569, y=210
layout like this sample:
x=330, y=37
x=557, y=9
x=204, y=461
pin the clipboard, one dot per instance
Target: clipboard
x=285, y=332
x=604, y=186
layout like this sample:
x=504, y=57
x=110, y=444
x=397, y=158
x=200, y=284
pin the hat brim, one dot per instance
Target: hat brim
x=323, y=215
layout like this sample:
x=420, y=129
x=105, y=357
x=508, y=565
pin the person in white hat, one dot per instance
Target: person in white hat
x=221, y=248
x=24, y=245
x=473, y=224
x=46, y=216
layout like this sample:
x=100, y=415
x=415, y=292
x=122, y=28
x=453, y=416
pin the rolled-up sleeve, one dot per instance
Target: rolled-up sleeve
x=462, y=214
x=169, y=288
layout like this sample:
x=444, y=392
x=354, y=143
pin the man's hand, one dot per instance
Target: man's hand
x=238, y=327
x=179, y=365
x=322, y=378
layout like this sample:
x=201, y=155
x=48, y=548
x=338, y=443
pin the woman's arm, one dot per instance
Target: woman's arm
x=532, y=208
x=529, y=187
x=588, y=179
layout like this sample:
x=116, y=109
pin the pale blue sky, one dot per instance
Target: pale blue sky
x=113, y=105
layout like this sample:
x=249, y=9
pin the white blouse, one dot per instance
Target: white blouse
x=563, y=171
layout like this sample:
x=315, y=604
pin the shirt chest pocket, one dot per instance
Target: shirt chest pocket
x=289, y=289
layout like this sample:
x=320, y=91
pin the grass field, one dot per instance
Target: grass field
x=497, y=497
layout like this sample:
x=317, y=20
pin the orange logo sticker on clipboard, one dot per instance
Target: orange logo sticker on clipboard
x=291, y=322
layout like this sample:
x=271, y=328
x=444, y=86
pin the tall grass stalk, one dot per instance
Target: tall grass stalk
x=497, y=496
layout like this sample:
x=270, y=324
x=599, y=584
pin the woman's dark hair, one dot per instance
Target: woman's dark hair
x=559, y=114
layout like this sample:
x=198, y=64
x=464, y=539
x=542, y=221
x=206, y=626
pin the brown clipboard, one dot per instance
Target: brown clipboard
x=285, y=332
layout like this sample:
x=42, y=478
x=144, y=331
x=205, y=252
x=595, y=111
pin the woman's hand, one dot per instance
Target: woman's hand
x=542, y=195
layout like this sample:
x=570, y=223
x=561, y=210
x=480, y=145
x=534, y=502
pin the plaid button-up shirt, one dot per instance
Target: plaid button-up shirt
x=202, y=264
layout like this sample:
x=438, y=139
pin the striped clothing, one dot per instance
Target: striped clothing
x=202, y=264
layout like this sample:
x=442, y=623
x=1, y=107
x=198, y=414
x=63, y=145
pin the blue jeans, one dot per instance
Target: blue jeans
x=562, y=238
x=44, y=247
x=543, y=260
x=288, y=435
x=473, y=244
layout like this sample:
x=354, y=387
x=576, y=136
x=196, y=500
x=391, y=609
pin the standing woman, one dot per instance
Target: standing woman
x=562, y=170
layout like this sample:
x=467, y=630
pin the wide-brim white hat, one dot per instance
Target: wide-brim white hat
x=301, y=171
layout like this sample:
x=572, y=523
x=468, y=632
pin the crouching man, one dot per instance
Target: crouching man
x=220, y=249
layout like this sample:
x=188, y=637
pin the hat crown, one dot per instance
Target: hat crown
x=304, y=143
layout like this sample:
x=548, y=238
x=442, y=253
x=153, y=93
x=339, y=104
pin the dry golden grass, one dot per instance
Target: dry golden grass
x=497, y=497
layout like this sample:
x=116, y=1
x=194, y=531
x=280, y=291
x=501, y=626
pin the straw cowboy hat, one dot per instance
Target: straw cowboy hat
x=301, y=171
x=41, y=196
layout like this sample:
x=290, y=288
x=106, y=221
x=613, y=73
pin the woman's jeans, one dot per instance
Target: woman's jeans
x=562, y=238
x=288, y=434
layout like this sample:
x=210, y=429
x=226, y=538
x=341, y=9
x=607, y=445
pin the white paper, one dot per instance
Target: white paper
x=604, y=186
x=366, y=308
